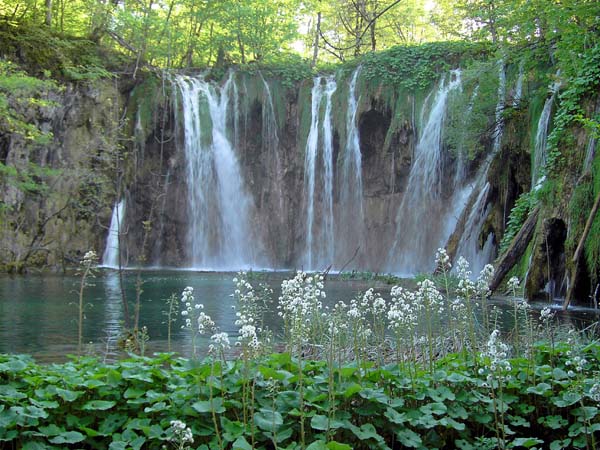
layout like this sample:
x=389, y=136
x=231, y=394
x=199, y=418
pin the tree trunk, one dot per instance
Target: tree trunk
x=48, y=19
x=515, y=250
x=316, y=44
x=579, y=251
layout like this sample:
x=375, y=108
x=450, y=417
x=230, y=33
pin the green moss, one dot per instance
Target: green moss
x=417, y=67
x=64, y=57
x=144, y=103
x=304, y=115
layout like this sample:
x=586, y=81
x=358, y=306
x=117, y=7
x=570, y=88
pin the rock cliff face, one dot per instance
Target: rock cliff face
x=111, y=143
x=64, y=212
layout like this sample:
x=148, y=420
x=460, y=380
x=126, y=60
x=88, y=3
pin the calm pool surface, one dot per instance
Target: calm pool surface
x=38, y=313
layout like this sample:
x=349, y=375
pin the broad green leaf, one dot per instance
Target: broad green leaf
x=526, y=442
x=559, y=374
x=207, y=406
x=231, y=430
x=374, y=395
x=441, y=393
x=451, y=423
x=585, y=413
x=395, y=417
x=133, y=392
x=241, y=444
x=101, y=405
x=68, y=395
x=7, y=436
x=91, y=432
x=352, y=389
x=559, y=444
x=138, y=424
x=36, y=445
x=334, y=445
x=553, y=422
x=68, y=437
x=408, y=438
x=568, y=398
x=112, y=423
x=367, y=431
x=14, y=365
x=51, y=430
x=160, y=406
x=434, y=408
x=8, y=392
x=539, y=389
x=268, y=420
x=317, y=445
x=30, y=411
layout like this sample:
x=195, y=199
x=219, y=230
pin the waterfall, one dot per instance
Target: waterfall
x=350, y=231
x=519, y=87
x=421, y=217
x=270, y=143
x=590, y=150
x=110, y=258
x=318, y=179
x=468, y=245
x=219, y=235
x=541, y=136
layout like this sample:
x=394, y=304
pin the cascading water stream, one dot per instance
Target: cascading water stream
x=519, y=87
x=541, y=137
x=350, y=228
x=110, y=258
x=469, y=244
x=590, y=150
x=318, y=179
x=420, y=220
x=468, y=247
x=219, y=234
x=270, y=139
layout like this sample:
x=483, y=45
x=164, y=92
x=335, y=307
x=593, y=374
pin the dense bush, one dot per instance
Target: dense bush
x=545, y=402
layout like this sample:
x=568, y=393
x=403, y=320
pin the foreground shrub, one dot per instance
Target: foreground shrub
x=548, y=401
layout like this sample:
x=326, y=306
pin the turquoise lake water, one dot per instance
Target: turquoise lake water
x=38, y=313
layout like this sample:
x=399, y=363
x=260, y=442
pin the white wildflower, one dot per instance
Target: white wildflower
x=442, y=261
x=181, y=432
x=513, y=284
x=498, y=365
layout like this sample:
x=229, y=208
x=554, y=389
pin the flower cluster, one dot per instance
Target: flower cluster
x=182, y=434
x=300, y=305
x=499, y=366
x=429, y=298
x=248, y=317
x=442, y=261
x=546, y=315
x=90, y=258
x=576, y=362
x=205, y=323
x=594, y=392
x=402, y=311
x=466, y=287
x=357, y=316
x=513, y=284
x=482, y=285
x=187, y=299
x=219, y=344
